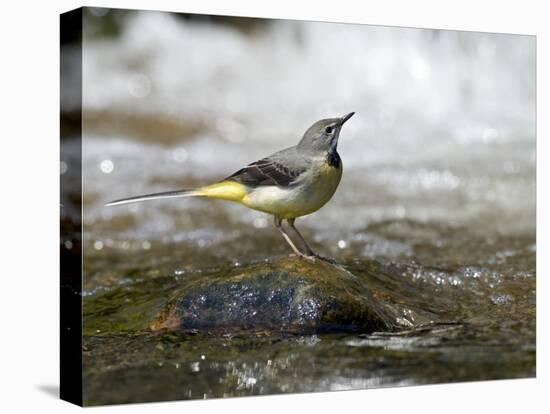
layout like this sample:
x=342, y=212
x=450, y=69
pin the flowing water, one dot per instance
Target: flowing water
x=436, y=207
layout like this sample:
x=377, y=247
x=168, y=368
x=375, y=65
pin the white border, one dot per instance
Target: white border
x=30, y=186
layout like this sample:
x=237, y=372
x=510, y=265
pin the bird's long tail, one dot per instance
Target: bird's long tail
x=226, y=190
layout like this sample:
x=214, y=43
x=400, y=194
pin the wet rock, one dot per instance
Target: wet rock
x=282, y=295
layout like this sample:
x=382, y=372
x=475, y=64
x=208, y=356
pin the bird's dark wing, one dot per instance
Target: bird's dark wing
x=268, y=171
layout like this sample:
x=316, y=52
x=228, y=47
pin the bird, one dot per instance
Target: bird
x=288, y=184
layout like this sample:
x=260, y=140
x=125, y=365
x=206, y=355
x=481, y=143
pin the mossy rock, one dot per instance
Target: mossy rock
x=282, y=295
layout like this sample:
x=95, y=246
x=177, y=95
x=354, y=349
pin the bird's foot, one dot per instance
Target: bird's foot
x=311, y=257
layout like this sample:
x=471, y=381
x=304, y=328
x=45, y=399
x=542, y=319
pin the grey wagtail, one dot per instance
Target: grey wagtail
x=291, y=183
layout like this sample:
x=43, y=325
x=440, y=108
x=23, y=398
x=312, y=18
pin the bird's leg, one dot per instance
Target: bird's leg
x=309, y=252
x=279, y=225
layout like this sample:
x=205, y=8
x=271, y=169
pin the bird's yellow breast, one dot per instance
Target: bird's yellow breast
x=312, y=191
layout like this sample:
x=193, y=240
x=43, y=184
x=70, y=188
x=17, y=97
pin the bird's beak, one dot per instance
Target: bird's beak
x=345, y=118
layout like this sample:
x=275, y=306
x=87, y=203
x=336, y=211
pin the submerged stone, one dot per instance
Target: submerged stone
x=283, y=295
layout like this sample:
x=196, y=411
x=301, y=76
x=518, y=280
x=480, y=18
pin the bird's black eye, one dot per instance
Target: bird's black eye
x=328, y=130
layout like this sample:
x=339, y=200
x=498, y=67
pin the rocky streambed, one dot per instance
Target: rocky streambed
x=154, y=329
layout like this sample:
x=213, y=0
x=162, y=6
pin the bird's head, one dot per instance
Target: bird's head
x=323, y=135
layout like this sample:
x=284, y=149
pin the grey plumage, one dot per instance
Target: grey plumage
x=281, y=169
x=284, y=167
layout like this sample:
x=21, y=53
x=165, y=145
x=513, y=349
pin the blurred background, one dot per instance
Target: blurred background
x=444, y=130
